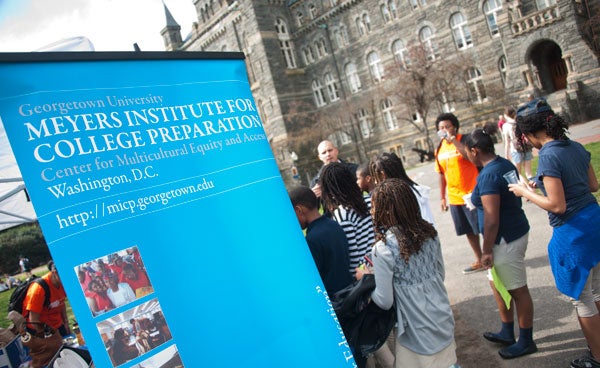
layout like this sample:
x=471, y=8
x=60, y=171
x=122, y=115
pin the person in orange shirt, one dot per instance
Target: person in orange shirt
x=457, y=179
x=55, y=313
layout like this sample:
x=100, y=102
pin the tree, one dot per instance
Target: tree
x=307, y=127
x=425, y=82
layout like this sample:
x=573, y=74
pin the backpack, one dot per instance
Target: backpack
x=365, y=325
x=522, y=145
x=18, y=296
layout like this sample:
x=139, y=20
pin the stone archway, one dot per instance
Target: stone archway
x=551, y=69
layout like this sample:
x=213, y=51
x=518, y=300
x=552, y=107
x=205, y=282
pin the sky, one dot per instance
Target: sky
x=110, y=25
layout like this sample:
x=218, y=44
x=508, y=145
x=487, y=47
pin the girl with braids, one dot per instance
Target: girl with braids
x=387, y=166
x=505, y=230
x=567, y=180
x=344, y=200
x=409, y=273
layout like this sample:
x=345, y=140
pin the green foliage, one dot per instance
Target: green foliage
x=4, y=297
x=594, y=149
x=26, y=240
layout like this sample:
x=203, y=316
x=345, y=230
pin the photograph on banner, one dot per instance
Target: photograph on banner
x=114, y=280
x=134, y=332
x=168, y=358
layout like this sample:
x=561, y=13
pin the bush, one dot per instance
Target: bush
x=26, y=240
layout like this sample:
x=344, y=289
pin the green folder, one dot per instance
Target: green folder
x=501, y=288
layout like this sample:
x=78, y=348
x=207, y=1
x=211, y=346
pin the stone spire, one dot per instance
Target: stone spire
x=172, y=32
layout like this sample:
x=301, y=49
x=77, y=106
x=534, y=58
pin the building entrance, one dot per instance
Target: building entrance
x=551, y=69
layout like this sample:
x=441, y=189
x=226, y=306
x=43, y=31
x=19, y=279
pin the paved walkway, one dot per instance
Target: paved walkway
x=556, y=330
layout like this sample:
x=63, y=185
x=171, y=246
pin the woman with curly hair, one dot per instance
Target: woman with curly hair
x=567, y=180
x=409, y=273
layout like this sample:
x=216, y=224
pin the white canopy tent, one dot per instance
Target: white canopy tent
x=15, y=207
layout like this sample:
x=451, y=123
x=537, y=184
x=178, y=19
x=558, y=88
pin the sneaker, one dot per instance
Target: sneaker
x=585, y=362
x=475, y=267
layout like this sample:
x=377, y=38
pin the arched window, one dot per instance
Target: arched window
x=391, y=4
x=340, y=35
x=460, y=31
x=360, y=26
x=385, y=13
x=320, y=48
x=300, y=19
x=502, y=68
x=491, y=8
x=352, y=77
x=364, y=123
x=414, y=4
x=337, y=38
x=426, y=38
x=332, y=87
x=388, y=116
x=312, y=9
x=307, y=55
x=476, y=87
x=318, y=92
x=367, y=22
x=375, y=66
x=363, y=24
x=285, y=44
x=343, y=137
x=400, y=54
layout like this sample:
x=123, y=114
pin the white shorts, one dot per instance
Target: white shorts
x=509, y=262
x=586, y=305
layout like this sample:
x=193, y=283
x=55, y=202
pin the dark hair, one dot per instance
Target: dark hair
x=447, y=116
x=537, y=116
x=304, y=196
x=119, y=334
x=363, y=169
x=482, y=138
x=51, y=266
x=129, y=266
x=396, y=209
x=338, y=187
x=390, y=165
x=510, y=111
x=92, y=282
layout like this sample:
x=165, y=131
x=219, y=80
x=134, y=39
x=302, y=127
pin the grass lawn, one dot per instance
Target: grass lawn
x=5, y=296
x=594, y=149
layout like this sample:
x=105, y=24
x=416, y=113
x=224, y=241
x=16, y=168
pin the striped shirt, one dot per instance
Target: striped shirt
x=359, y=232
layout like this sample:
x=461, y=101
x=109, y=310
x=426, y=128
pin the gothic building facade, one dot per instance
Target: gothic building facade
x=337, y=68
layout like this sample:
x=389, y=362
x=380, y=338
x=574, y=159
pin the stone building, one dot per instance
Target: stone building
x=334, y=68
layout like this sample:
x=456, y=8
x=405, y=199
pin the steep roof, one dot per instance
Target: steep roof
x=171, y=22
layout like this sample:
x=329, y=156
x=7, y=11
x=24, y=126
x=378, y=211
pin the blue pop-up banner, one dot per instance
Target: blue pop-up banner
x=161, y=202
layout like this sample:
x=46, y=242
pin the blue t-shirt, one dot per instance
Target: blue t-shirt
x=513, y=222
x=329, y=247
x=569, y=161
